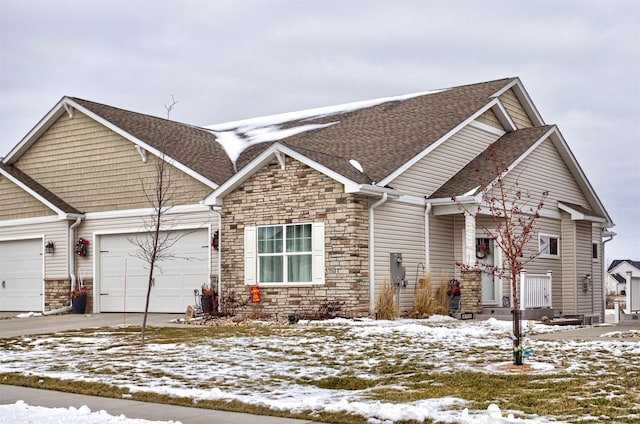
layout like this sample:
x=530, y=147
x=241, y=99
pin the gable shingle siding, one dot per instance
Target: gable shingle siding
x=18, y=204
x=432, y=171
x=94, y=169
x=515, y=109
x=191, y=146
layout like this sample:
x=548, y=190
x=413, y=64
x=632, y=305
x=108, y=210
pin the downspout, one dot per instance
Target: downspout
x=372, y=254
x=72, y=267
x=217, y=212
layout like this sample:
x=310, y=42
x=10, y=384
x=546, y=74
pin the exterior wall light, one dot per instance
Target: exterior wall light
x=49, y=247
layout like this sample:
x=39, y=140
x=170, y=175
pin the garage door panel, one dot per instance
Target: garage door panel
x=21, y=275
x=123, y=278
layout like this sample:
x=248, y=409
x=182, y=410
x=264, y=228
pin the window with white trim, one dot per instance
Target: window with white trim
x=285, y=254
x=549, y=245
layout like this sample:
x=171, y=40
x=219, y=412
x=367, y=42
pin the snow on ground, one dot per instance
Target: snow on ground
x=275, y=371
x=21, y=412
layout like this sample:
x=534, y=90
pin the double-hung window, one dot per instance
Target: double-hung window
x=549, y=245
x=285, y=254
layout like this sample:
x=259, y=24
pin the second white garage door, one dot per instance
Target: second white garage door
x=123, y=278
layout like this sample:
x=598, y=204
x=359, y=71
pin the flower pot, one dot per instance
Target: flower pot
x=207, y=304
x=454, y=302
x=79, y=304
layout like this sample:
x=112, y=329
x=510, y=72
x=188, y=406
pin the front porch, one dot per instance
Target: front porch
x=533, y=291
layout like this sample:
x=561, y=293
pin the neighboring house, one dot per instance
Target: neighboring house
x=311, y=206
x=616, y=284
x=626, y=274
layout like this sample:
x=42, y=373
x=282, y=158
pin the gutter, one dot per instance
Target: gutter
x=372, y=251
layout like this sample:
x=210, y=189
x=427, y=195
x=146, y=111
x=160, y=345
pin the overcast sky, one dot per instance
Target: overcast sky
x=225, y=60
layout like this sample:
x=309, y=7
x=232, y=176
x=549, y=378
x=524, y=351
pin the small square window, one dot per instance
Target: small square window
x=549, y=245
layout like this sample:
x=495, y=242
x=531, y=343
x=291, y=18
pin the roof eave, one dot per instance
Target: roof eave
x=215, y=199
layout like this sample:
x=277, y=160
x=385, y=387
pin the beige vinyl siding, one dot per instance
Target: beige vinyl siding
x=437, y=167
x=89, y=228
x=442, y=246
x=569, y=266
x=586, y=299
x=544, y=169
x=542, y=264
x=55, y=264
x=399, y=228
x=77, y=156
x=490, y=118
x=515, y=109
x=18, y=204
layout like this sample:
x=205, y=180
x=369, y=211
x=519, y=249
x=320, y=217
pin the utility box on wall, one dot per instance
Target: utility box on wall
x=397, y=270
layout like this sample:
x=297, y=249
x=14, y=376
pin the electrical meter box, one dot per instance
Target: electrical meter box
x=397, y=269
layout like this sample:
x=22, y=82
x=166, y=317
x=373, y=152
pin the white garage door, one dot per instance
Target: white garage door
x=21, y=275
x=123, y=278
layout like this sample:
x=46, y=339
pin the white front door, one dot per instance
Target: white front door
x=21, y=275
x=123, y=278
x=486, y=256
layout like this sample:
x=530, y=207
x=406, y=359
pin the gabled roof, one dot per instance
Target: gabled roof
x=381, y=135
x=189, y=148
x=188, y=145
x=32, y=187
x=480, y=172
x=509, y=150
x=619, y=278
x=617, y=262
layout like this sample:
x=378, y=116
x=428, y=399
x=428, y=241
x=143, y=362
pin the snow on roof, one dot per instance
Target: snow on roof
x=236, y=136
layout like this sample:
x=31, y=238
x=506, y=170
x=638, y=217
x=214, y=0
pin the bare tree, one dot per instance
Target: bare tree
x=155, y=246
x=514, y=213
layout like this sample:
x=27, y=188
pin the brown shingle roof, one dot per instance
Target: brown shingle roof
x=384, y=137
x=481, y=170
x=191, y=146
x=37, y=188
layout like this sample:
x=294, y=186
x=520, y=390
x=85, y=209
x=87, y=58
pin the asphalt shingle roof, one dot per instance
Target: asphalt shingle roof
x=39, y=189
x=382, y=138
x=193, y=147
x=482, y=169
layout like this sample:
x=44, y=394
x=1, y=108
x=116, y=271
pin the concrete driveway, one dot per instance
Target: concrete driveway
x=11, y=326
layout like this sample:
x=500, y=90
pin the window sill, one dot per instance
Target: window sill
x=543, y=256
x=287, y=285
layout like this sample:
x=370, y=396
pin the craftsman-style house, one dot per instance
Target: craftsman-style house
x=312, y=206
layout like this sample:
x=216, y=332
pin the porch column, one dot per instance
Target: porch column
x=469, y=251
x=471, y=291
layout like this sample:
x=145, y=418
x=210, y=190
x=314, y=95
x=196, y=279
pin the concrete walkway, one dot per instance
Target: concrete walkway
x=134, y=409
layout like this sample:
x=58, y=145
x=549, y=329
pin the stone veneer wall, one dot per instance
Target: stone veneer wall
x=58, y=294
x=471, y=292
x=299, y=194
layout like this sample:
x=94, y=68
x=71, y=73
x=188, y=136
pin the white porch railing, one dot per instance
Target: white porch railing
x=535, y=290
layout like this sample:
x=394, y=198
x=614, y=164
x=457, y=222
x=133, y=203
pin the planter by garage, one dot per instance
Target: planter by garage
x=79, y=304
